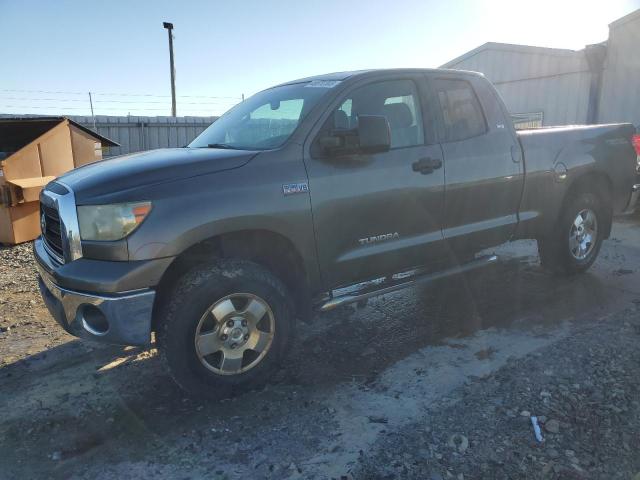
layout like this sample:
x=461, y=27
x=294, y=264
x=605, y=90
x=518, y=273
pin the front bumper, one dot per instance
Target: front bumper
x=120, y=318
x=633, y=200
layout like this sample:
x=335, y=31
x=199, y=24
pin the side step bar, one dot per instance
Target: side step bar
x=388, y=287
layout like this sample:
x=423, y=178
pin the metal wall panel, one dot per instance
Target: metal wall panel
x=563, y=100
x=557, y=82
x=620, y=97
x=135, y=134
x=535, y=80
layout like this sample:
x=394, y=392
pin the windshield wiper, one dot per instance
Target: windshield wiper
x=221, y=145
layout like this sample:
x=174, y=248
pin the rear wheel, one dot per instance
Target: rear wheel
x=226, y=327
x=575, y=242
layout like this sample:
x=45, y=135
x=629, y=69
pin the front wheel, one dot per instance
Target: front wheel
x=575, y=241
x=226, y=327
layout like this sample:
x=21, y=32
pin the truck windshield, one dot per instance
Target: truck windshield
x=264, y=121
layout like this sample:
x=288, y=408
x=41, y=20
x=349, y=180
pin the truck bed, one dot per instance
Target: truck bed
x=555, y=156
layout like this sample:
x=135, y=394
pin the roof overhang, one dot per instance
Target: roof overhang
x=510, y=47
x=30, y=128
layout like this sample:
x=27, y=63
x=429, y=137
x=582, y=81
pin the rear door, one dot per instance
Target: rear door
x=375, y=214
x=484, y=174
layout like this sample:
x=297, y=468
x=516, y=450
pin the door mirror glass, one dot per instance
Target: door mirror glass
x=374, y=133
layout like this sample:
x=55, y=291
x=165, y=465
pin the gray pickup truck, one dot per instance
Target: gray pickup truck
x=310, y=195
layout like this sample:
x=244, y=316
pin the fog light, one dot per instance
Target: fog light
x=93, y=320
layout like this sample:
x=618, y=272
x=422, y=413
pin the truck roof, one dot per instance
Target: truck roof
x=340, y=76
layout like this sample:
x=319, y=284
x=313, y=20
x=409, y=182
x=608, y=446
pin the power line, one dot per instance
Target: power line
x=164, y=96
x=29, y=99
x=42, y=91
x=45, y=99
x=181, y=103
x=119, y=94
x=53, y=107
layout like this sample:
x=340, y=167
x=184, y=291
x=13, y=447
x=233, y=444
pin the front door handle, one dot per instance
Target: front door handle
x=426, y=165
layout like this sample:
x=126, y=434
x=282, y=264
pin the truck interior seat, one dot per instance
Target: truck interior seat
x=400, y=118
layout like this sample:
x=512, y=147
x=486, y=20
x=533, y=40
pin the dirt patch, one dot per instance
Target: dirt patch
x=485, y=354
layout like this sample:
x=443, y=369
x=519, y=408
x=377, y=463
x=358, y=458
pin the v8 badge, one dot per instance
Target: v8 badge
x=293, y=188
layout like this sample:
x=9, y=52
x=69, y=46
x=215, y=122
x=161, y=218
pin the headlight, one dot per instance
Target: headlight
x=111, y=222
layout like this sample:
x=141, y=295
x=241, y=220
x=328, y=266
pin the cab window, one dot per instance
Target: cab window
x=461, y=111
x=397, y=100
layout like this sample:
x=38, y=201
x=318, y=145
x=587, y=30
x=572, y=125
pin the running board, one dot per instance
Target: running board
x=386, y=287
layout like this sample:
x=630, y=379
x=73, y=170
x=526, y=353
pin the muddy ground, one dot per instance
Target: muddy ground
x=433, y=382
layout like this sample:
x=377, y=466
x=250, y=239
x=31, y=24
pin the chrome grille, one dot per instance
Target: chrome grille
x=51, y=233
x=60, y=229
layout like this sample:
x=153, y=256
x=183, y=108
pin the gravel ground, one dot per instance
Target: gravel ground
x=433, y=382
x=24, y=325
x=585, y=392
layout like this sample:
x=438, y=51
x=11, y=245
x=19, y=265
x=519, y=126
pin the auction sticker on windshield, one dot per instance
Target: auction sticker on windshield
x=322, y=83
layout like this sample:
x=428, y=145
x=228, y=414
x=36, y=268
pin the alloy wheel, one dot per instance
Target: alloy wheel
x=235, y=334
x=583, y=234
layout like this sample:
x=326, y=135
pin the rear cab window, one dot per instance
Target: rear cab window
x=462, y=115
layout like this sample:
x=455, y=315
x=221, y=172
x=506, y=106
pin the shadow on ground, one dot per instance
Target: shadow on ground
x=351, y=343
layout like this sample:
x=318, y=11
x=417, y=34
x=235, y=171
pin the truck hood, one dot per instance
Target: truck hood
x=127, y=172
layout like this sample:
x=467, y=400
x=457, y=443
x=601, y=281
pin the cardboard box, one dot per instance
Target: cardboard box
x=33, y=152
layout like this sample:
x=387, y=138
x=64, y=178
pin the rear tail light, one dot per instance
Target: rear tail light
x=635, y=140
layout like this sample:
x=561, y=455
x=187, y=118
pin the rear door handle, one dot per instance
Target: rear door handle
x=426, y=165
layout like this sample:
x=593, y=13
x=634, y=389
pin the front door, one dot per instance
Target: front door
x=377, y=214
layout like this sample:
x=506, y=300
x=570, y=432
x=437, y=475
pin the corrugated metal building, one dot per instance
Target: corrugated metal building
x=550, y=86
x=135, y=134
x=620, y=99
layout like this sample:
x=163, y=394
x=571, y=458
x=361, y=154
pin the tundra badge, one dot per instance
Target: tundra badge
x=379, y=238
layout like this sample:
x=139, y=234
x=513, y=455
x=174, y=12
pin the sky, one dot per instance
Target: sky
x=52, y=53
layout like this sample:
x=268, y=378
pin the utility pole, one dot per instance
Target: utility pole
x=169, y=27
x=92, y=115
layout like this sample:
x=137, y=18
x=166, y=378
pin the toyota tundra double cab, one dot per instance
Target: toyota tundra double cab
x=310, y=195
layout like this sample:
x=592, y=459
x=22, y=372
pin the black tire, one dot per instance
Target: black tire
x=554, y=249
x=192, y=296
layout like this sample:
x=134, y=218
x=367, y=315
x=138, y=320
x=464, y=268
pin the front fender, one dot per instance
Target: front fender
x=185, y=213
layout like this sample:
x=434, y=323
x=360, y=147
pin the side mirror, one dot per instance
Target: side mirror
x=374, y=133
